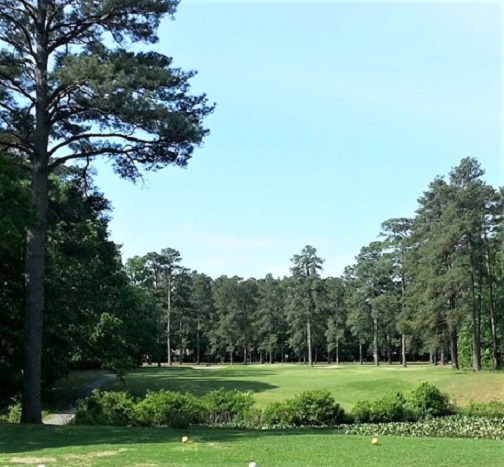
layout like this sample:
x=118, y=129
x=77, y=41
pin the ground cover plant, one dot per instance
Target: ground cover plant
x=77, y=446
x=347, y=383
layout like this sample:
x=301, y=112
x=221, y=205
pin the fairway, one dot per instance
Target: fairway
x=348, y=383
x=77, y=446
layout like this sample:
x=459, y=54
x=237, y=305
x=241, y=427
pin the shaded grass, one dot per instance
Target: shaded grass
x=347, y=383
x=57, y=397
x=77, y=446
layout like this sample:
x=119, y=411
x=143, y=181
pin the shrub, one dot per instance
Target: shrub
x=362, y=412
x=390, y=408
x=309, y=408
x=12, y=414
x=224, y=407
x=105, y=408
x=427, y=401
x=277, y=414
x=169, y=409
x=493, y=409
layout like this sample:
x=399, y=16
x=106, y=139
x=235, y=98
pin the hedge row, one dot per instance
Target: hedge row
x=235, y=408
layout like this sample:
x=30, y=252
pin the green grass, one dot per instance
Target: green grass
x=77, y=446
x=348, y=383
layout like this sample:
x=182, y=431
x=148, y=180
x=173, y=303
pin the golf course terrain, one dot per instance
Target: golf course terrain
x=101, y=446
x=347, y=383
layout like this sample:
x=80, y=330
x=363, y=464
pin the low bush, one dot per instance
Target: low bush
x=493, y=409
x=427, y=401
x=225, y=407
x=12, y=414
x=309, y=408
x=169, y=409
x=106, y=408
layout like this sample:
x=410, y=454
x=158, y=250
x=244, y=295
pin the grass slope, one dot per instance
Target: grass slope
x=75, y=446
x=348, y=383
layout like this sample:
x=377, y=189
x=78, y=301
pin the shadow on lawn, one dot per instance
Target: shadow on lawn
x=195, y=381
x=28, y=438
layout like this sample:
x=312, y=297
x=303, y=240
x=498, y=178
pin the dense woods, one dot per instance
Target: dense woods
x=430, y=287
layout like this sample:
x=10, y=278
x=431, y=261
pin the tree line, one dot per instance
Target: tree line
x=430, y=286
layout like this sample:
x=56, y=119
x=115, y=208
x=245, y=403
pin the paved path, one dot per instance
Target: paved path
x=67, y=415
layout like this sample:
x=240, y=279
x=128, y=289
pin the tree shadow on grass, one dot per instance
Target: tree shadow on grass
x=197, y=382
x=28, y=438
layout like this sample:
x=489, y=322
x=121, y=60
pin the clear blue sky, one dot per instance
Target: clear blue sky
x=331, y=118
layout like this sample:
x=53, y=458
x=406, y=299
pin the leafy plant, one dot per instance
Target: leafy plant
x=224, y=407
x=427, y=401
x=169, y=409
x=309, y=408
x=105, y=408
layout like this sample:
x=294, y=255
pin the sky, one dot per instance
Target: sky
x=331, y=117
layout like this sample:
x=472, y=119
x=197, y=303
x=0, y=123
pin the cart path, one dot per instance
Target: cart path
x=67, y=415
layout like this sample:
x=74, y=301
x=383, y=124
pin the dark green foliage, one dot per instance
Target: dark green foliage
x=425, y=401
x=106, y=408
x=169, y=409
x=309, y=408
x=390, y=408
x=224, y=407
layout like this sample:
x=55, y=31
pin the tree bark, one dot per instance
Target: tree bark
x=375, y=342
x=361, y=362
x=454, y=349
x=308, y=338
x=337, y=351
x=493, y=327
x=36, y=240
x=403, y=350
x=198, y=344
x=168, y=322
x=389, y=351
x=36, y=237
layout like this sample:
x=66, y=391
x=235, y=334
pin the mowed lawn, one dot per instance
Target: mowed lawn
x=348, y=383
x=84, y=446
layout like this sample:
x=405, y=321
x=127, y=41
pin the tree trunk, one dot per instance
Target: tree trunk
x=389, y=354
x=375, y=342
x=454, y=349
x=198, y=343
x=361, y=362
x=168, y=323
x=337, y=351
x=36, y=240
x=309, y=341
x=403, y=350
x=475, y=327
x=493, y=327
x=36, y=236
